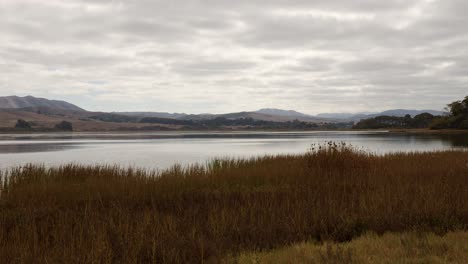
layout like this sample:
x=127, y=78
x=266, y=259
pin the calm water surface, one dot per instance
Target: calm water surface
x=161, y=150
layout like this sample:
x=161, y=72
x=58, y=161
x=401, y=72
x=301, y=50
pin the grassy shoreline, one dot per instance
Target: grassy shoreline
x=203, y=213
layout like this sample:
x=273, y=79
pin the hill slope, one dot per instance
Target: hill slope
x=280, y=112
x=16, y=102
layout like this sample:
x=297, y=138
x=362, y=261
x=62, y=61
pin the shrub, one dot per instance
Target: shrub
x=65, y=126
x=22, y=124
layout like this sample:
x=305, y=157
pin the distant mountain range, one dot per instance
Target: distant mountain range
x=342, y=115
x=347, y=116
x=280, y=112
x=46, y=113
x=266, y=114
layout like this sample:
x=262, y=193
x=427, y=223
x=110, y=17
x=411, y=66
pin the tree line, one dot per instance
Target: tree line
x=419, y=121
x=222, y=121
x=24, y=125
x=456, y=118
x=219, y=122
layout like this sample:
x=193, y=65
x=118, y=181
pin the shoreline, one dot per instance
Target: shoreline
x=429, y=131
x=125, y=135
x=405, y=130
x=227, y=131
x=177, y=134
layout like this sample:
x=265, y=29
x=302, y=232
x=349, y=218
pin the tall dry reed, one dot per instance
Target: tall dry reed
x=103, y=214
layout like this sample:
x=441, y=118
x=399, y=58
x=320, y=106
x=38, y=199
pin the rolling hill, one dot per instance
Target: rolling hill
x=281, y=112
x=44, y=114
x=16, y=102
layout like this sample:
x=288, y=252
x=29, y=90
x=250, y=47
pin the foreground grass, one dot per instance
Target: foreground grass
x=371, y=249
x=204, y=213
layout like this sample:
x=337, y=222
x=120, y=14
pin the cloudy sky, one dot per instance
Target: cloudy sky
x=221, y=55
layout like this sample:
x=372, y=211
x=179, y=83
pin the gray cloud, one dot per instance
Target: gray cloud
x=221, y=56
x=203, y=67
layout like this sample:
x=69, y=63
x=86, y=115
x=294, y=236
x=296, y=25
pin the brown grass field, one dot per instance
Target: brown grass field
x=201, y=214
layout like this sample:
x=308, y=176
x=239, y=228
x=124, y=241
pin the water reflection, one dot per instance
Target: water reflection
x=456, y=140
x=37, y=147
x=175, y=134
x=160, y=150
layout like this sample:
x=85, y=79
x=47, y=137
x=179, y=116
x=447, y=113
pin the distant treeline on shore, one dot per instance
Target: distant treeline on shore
x=25, y=126
x=190, y=124
x=456, y=118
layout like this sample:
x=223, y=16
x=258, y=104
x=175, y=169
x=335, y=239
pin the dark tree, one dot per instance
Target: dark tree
x=457, y=118
x=22, y=124
x=65, y=126
x=422, y=120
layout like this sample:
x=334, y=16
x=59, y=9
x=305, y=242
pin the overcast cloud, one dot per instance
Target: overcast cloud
x=221, y=56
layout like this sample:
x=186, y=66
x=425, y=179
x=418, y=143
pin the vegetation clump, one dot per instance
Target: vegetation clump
x=201, y=213
x=64, y=126
x=419, y=121
x=22, y=124
x=457, y=118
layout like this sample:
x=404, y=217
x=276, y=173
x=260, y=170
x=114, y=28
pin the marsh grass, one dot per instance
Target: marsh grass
x=389, y=248
x=196, y=214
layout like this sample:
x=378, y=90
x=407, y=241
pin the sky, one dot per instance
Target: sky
x=219, y=56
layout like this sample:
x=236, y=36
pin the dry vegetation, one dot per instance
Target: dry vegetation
x=389, y=248
x=204, y=213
